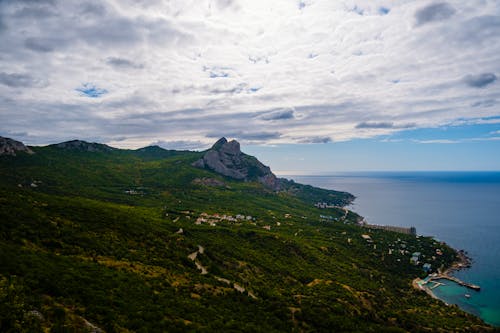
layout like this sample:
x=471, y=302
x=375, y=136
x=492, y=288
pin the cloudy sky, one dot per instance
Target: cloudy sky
x=367, y=80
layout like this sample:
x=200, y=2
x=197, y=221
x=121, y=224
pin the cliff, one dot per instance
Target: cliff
x=226, y=158
x=11, y=147
x=80, y=145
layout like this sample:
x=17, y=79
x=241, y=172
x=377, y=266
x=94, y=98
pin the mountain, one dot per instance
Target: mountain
x=118, y=240
x=79, y=145
x=156, y=152
x=226, y=158
x=11, y=147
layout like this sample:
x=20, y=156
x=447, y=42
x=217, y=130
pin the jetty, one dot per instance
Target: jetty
x=456, y=280
x=436, y=284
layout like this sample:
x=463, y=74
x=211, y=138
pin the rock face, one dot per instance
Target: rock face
x=208, y=182
x=226, y=159
x=84, y=146
x=11, y=147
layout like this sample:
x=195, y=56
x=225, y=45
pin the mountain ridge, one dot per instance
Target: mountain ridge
x=81, y=145
x=224, y=158
x=10, y=146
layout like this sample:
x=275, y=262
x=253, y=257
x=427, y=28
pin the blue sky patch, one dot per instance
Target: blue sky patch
x=451, y=134
x=357, y=10
x=90, y=90
x=383, y=10
x=218, y=74
x=217, y=71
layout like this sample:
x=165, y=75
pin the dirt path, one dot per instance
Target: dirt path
x=193, y=257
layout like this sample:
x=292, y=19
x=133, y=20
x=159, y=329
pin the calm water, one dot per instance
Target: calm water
x=462, y=209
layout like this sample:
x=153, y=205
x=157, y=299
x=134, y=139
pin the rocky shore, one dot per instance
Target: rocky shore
x=463, y=261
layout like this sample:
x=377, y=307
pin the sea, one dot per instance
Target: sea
x=460, y=208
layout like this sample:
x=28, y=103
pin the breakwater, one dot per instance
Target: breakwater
x=456, y=280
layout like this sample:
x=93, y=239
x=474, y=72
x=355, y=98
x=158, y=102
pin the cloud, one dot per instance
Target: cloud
x=375, y=125
x=434, y=12
x=37, y=2
x=181, y=145
x=480, y=80
x=92, y=9
x=484, y=104
x=438, y=141
x=224, y=4
x=3, y=26
x=477, y=30
x=121, y=63
x=315, y=139
x=35, y=10
x=90, y=90
x=216, y=72
x=280, y=114
x=18, y=80
x=245, y=136
x=38, y=45
x=383, y=125
x=238, y=89
x=185, y=70
x=356, y=9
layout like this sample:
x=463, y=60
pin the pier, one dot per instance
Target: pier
x=458, y=281
x=436, y=284
x=454, y=279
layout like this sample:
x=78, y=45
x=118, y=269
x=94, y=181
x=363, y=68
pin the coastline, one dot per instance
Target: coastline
x=463, y=261
x=393, y=197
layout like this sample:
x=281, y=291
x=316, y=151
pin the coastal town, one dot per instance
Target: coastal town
x=401, y=249
x=435, y=280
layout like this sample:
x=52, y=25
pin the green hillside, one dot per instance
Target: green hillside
x=142, y=241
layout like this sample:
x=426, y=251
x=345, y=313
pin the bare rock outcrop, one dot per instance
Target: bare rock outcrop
x=206, y=181
x=11, y=147
x=80, y=145
x=226, y=158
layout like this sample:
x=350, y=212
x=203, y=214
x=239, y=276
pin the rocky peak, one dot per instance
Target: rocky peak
x=227, y=147
x=226, y=158
x=221, y=142
x=84, y=146
x=11, y=147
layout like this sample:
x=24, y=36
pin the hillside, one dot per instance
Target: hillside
x=94, y=238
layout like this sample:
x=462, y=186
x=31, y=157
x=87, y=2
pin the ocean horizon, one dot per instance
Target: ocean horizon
x=461, y=208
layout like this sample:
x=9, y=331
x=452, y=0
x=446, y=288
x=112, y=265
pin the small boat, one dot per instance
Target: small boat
x=467, y=296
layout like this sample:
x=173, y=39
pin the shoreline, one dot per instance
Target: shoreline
x=463, y=261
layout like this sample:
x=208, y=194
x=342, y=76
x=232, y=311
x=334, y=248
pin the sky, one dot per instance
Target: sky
x=307, y=86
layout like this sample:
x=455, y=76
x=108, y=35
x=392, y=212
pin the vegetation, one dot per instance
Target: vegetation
x=102, y=239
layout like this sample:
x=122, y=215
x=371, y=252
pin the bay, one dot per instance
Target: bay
x=460, y=208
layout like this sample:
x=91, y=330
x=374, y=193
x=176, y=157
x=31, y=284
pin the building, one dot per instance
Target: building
x=415, y=258
x=403, y=230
